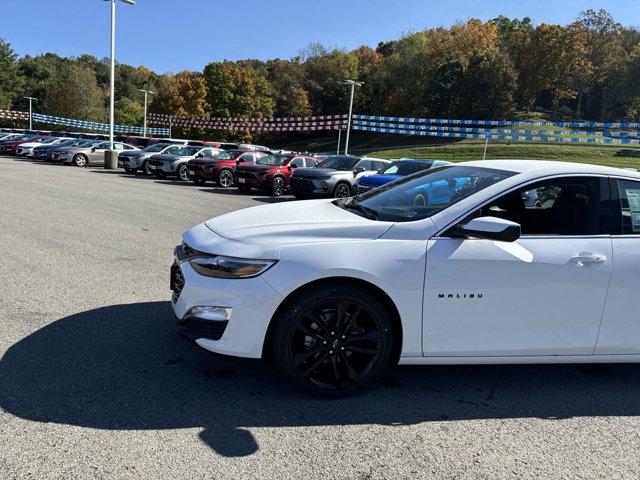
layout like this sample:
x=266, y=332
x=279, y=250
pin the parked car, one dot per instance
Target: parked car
x=397, y=169
x=175, y=163
x=44, y=151
x=270, y=173
x=335, y=306
x=220, y=167
x=9, y=147
x=334, y=177
x=5, y=137
x=27, y=149
x=138, y=160
x=84, y=155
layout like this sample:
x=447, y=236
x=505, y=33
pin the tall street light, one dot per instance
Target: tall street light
x=146, y=94
x=111, y=157
x=31, y=99
x=353, y=84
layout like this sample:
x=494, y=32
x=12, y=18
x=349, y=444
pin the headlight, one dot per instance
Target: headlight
x=230, y=267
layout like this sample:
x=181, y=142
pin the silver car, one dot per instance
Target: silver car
x=135, y=160
x=175, y=163
x=86, y=154
x=334, y=177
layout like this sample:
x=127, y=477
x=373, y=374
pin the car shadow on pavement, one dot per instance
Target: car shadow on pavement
x=125, y=367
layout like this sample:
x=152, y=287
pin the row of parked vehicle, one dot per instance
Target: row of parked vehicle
x=246, y=167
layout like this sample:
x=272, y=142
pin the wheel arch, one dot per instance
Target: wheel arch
x=333, y=281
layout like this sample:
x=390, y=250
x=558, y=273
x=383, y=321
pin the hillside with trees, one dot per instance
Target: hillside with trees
x=589, y=69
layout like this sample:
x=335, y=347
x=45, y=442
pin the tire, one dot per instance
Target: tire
x=80, y=160
x=182, y=174
x=331, y=356
x=342, y=190
x=145, y=168
x=225, y=178
x=278, y=186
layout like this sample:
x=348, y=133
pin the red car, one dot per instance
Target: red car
x=11, y=146
x=219, y=168
x=270, y=173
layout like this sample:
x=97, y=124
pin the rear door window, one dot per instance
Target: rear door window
x=630, y=206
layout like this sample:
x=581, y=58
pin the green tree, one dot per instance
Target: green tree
x=128, y=112
x=73, y=92
x=11, y=81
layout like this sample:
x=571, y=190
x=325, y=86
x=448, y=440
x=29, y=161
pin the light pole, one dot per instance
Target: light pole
x=111, y=157
x=353, y=84
x=31, y=99
x=146, y=93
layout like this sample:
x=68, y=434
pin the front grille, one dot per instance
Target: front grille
x=195, y=328
x=176, y=282
x=157, y=163
x=301, y=184
x=195, y=168
x=241, y=174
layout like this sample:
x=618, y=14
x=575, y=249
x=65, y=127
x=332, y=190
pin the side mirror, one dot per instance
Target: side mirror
x=487, y=228
x=240, y=160
x=358, y=170
x=93, y=150
x=293, y=165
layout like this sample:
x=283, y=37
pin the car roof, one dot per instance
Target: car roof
x=550, y=167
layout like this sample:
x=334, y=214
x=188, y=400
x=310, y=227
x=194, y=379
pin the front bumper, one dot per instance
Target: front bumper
x=251, y=303
x=163, y=167
x=250, y=180
x=314, y=187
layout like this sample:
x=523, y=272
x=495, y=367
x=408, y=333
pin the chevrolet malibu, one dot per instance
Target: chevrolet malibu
x=335, y=291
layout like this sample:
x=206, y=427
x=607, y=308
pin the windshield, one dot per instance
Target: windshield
x=424, y=194
x=158, y=147
x=339, y=162
x=406, y=168
x=185, y=151
x=275, y=160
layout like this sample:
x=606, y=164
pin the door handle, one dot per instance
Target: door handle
x=589, y=259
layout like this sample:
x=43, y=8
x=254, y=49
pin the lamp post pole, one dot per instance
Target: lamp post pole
x=111, y=157
x=146, y=93
x=353, y=84
x=31, y=99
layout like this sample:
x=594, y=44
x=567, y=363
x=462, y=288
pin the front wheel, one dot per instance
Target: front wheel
x=342, y=190
x=146, y=168
x=334, y=340
x=278, y=186
x=80, y=160
x=182, y=173
x=225, y=178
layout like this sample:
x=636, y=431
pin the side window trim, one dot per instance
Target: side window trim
x=616, y=195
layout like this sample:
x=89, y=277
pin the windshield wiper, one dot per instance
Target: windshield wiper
x=369, y=213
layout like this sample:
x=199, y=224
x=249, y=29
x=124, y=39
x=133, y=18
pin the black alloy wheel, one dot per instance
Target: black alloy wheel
x=278, y=186
x=145, y=168
x=342, y=190
x=334, y=341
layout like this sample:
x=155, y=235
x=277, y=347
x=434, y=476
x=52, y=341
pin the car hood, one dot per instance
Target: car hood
x=314, y=172
x=309, y=221
x=376, y=180
x=165, y=157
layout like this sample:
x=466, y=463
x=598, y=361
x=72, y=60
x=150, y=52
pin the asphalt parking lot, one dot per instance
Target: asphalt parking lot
x=95, y=381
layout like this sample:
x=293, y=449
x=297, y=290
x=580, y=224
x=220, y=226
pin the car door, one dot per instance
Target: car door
x=620, y=329
x=540, y=295
x=96, y=154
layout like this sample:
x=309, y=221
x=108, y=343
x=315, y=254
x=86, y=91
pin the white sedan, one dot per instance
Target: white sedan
x=453, y=265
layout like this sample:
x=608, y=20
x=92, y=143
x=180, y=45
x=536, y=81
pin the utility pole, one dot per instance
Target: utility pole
x=353, y=84
x=111, y=157
x=31, y=99
x=146, y=93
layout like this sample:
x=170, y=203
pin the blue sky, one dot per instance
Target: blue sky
x=173, y=35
